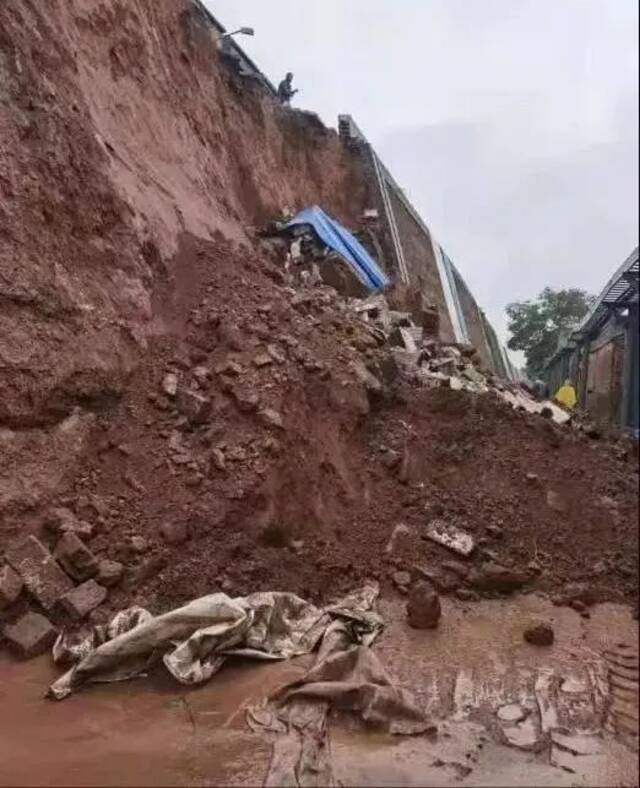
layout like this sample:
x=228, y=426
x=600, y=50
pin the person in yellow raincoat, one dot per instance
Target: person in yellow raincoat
x=566, y=395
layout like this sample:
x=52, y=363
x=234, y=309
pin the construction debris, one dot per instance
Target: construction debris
x=75, y=557
x=31, y=635
x=41, y=574
x=451, y=537
x=83, y=599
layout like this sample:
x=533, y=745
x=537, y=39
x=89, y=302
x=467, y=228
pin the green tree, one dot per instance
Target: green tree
x=536, y=326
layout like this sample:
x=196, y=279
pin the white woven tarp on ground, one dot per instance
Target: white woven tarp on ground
x=194, y=640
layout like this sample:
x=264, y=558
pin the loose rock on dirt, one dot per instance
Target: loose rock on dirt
x=539, y=634
x=423, y=607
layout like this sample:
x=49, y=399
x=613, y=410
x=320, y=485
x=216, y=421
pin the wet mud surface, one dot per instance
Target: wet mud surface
x=508, y=713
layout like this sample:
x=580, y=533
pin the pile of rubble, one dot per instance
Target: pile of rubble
x=296, y=438
x=70, y=582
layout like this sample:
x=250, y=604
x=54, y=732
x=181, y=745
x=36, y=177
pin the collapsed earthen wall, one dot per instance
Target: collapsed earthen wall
x=121, y=131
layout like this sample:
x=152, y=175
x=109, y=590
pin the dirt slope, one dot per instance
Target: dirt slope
x=132, y=169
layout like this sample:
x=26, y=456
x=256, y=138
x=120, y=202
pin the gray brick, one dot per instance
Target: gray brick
x=33, y=634
x=83, y=599
x=75, y=557
x=44, y=579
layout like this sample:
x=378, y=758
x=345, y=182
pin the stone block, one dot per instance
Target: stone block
x=109, y=572
x=43, y=578
x=31, y=635
x=75, y=557
x=83, y=599
x=271, y=418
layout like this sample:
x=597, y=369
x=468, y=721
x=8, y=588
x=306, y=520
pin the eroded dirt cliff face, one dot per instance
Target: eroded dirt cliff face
x=121, y=130
x=161, y=381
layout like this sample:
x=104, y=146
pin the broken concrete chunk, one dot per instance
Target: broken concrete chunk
x=524, y=735
x=449, y=536
x=451, y=351
x=512, y=712
x=472, y=374
x=109, y=572
x=228, y=367
x=262, y=360
x=423, y=607
x=83, y=599
x=10, y=586
x=405, y=338
x=374, y=306
x=31, y=635
x=271, y=418
x=402, y=319
x=193, y=405
x=445, y=365
x=170, y=384
x=246, y=401
x=494, y=577
x=75, y=557
x=41, y=574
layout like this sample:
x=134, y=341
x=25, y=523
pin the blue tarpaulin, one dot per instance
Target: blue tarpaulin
x=341, y=241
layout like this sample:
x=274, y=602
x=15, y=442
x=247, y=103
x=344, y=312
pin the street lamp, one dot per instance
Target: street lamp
x=245, y=31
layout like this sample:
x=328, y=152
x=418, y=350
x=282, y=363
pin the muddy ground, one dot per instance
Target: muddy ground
x=463, y=674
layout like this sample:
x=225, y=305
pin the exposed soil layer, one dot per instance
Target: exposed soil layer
x=127, y=255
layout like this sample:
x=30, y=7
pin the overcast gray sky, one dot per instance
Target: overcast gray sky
x=511, y=124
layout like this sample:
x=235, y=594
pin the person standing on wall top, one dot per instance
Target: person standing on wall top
x=285, y=90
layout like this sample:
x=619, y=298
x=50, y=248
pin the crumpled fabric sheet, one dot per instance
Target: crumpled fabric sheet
x=346, y=676
x=194, y=640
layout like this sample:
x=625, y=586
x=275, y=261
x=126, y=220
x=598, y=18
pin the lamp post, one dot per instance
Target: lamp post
x=245, y=31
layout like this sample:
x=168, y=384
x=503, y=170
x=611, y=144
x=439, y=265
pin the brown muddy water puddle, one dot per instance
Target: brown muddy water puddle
x=508, y=713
